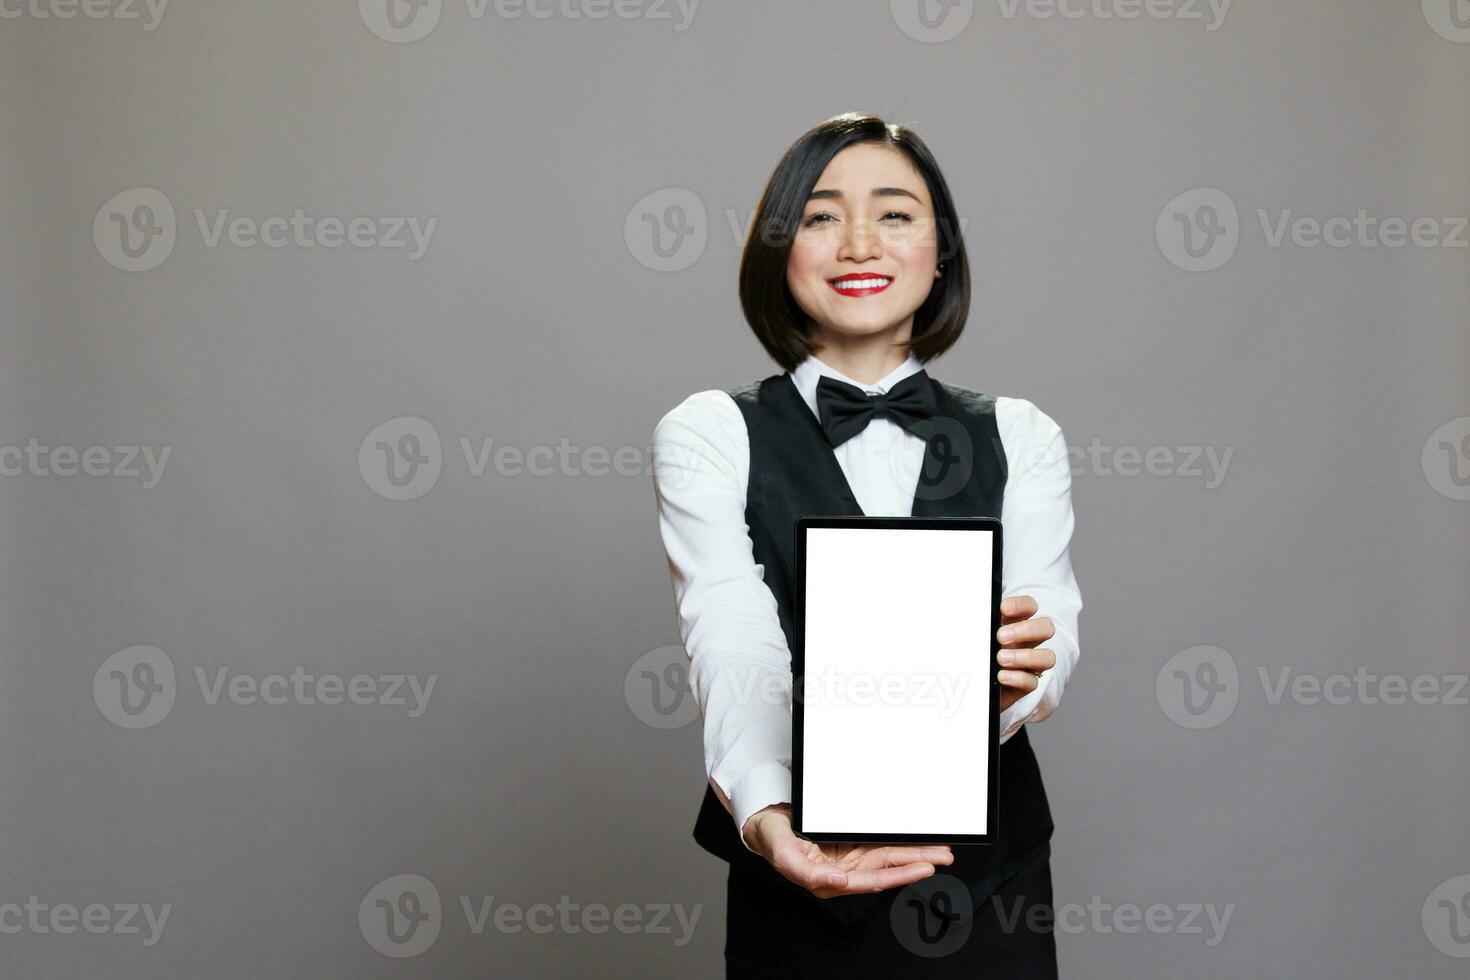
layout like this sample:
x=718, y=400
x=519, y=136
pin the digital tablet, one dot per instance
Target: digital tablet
x=895, y=701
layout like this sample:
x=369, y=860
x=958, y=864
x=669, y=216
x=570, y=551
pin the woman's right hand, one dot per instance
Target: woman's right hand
x=828, y=870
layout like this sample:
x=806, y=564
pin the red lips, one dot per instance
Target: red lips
x=849, y=284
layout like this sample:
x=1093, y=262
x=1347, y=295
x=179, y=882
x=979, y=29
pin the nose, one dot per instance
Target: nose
x=860, y=241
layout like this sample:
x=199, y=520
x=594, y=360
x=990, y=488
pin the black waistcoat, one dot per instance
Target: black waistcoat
x=793, y=472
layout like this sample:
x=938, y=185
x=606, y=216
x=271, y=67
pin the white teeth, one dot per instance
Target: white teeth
x=863, y=283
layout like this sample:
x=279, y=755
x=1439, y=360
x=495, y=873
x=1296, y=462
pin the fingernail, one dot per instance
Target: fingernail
x=1007, y=658
x=1006, y=634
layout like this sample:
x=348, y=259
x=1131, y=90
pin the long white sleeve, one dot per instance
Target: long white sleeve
x=740, y=667
x=1036, y=515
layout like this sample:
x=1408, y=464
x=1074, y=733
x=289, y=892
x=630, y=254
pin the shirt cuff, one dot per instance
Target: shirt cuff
x=767, y=783
x=1012, y=718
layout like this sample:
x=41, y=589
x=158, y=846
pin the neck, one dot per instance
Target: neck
x=864, y=358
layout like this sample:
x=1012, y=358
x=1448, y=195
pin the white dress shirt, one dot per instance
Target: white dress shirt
x=728, y=617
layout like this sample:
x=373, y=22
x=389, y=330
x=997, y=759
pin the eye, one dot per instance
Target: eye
x=900, y=215
x=815, y=219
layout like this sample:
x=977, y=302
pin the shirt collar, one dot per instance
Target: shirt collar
x=806, y=375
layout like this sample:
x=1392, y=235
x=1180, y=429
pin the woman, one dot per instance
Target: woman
x=854, y=277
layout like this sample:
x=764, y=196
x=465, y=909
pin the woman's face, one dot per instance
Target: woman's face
x=865, y=254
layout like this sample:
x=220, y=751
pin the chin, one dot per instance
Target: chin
x=863, y=329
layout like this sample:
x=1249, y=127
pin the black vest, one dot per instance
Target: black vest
x=793, y=473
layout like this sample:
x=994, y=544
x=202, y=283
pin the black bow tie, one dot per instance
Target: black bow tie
x=845, y=410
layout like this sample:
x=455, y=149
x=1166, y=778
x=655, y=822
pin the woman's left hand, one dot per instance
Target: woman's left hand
x=1021, y=657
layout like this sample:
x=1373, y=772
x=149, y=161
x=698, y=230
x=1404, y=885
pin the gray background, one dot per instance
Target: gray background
x=533, y=318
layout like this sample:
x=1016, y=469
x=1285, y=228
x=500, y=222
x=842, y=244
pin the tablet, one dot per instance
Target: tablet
x=895, y=702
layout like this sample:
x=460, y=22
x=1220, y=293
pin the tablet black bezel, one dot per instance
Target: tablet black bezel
x=798, y=671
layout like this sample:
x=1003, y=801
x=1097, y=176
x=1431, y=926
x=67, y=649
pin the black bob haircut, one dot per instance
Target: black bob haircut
x=782, y=327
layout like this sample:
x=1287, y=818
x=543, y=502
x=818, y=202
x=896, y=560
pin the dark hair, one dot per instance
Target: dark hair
x=770, y=309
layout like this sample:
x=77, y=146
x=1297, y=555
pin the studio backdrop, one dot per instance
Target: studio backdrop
x=336, y=634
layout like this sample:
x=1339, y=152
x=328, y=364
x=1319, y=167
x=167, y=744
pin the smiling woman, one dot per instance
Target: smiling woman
x=854, y=276
x=830, y=223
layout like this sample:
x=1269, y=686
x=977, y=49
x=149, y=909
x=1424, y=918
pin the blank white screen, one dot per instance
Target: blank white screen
x=895, y=732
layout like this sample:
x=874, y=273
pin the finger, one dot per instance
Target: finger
x=1020, y=680
x=1035, y=660
x=1027, y=633
x=1017, y=607
x=895, y=855
x=881, y=879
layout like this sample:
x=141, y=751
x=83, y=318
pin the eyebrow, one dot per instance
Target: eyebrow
x=877, y=192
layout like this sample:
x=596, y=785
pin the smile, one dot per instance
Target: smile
x=855, y=285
